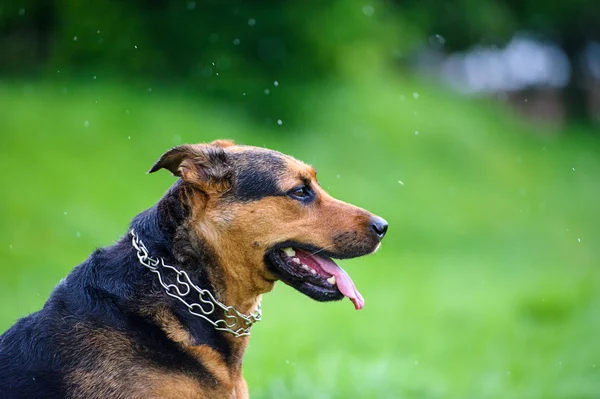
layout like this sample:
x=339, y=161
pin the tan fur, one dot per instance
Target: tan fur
x=215, y=364
x=229, y=380
x=223, y=143
x=110, y=369
x=171, y=326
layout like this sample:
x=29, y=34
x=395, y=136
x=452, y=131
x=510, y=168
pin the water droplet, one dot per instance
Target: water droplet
x=279, y=122
x=135, y=46
x=191, y=5
x=368, y=10
x=287, y=361
x=338, y=176
x=65, y=212
x=579, y=240
x=416, y=362
x=94, y=77
x=21, y=12
x=128, y=137
x=573, y=169
x=267, y=91
x=416, y=132
x=251, y=22
x=401, y=182
x=217, y=73
x=149, y=89
x=507, y=372
x=437, y=40
x=10, y=246
x=77, y=234
x=275, y=83
x=236, y=41
x=126, y=111
x=74, y=38
x=98, y=32
x=243, y=94
x=86, y=124
x=416, y=95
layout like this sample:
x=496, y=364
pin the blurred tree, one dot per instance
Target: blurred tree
x=464, y=23
x=259, y=55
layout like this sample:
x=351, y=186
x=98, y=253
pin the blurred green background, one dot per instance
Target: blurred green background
x=488, y=283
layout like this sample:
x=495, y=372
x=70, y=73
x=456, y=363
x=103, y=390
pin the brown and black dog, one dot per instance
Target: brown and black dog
x=166, y=311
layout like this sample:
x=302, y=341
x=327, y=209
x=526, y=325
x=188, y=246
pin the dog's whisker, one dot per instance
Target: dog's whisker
x=323, y=249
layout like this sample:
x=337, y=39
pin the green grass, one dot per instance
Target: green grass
x=487, y=286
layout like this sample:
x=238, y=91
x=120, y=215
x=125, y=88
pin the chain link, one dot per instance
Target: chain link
x=233, y=322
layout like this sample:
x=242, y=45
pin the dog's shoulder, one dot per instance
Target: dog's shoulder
x=26, y=364
x=41, y=350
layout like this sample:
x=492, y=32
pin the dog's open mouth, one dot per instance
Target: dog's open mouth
x=315, y=275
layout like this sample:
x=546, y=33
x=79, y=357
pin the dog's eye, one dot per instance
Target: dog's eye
x=300, y=193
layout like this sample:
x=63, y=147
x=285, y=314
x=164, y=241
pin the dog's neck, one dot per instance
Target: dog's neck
x=163, y=231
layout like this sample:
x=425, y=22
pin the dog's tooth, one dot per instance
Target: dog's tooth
x=289, y=251
x=313, y=271
x=296, y=260
x=305, y=267
x=331, y=280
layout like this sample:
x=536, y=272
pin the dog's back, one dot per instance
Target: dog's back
x=38, y=353
x=31, y=362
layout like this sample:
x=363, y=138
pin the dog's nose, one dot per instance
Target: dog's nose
x=379, y=226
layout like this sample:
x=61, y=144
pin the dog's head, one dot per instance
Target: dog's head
x=266, y=218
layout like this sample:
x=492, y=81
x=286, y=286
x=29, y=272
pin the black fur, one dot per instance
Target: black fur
x=257, y=175
x=105, y=292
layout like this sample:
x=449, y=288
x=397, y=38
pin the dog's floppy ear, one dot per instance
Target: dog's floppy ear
x=205, y=166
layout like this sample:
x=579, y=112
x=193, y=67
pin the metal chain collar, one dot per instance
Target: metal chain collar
x=234, y=322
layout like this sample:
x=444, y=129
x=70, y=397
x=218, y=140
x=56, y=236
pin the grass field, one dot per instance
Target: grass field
x=487, y=285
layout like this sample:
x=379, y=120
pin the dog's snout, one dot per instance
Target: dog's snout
x=379, y=226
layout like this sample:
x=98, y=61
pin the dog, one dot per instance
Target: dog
x=166, y=312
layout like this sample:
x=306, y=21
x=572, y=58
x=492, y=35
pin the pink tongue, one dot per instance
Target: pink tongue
x=343, y=280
